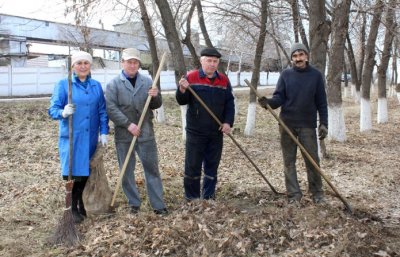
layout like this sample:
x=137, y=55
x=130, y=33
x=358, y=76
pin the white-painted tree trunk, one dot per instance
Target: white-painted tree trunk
x=183, y=118
x=391, y=91
x=353, y=90
x=160, y=114
x=382, y=110
x=357, y=96
x=336, y=125
x=347, y=91
x=236, y=105
x=398, y=96
x=251, y=119
x=365, y=115
x=374, y=88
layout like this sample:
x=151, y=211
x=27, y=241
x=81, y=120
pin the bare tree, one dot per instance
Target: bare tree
x=393, y=80
x=361, y=45
x=319, y=34
x=240, y=21
x=150, y=36
x=352, y=63
x=84, y=12
x=277, y=44
x=82, y=17
x=175, y=47
x=187, y=40
x=298, y=27
x=202, y=23
x=384, y=63
x=370, y=52
x=394, y=60
x=172, y=36
x=340, y=21
x=296, y=19
x=153, y=51
x=251, y=111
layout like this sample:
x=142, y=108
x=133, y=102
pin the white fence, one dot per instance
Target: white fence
x=266, y=78
x=24, y=81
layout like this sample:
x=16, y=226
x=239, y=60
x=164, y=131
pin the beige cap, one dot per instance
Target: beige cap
x=130, y=53
x=80, y=56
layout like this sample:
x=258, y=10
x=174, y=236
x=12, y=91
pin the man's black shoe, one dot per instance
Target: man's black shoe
x=161, y=211
x=134, y=209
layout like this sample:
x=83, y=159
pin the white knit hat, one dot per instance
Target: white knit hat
x=130, y=53
x=81, y=56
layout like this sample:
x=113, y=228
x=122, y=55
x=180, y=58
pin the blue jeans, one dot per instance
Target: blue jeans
x=147, y=152
x=201, y=152
x=308, y=138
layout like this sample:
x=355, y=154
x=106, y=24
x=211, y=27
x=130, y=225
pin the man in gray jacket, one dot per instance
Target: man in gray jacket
x=126, y=96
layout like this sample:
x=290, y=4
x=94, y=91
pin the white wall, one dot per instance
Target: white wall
x=266, y=79
x=25, y=81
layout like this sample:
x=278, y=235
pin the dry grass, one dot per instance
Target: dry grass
x=247, y=219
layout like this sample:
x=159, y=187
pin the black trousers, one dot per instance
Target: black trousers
x=201, y=152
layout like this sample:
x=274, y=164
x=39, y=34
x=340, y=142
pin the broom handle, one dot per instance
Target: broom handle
x=233, y=139
x=304, y=151
x=70, y=163
x=146, y=106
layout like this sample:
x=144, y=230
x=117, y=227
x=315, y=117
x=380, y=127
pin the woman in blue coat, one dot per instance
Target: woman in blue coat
x=89, y=120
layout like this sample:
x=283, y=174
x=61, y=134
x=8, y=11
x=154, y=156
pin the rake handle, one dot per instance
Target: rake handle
x=230, y=135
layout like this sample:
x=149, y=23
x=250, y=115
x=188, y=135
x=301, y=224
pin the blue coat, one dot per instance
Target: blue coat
x=89, y=119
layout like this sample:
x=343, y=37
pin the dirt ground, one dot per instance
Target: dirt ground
x=246, y=219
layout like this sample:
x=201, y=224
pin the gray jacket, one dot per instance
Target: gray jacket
x=125, y=106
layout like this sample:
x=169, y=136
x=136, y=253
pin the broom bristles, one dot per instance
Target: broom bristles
x=65, y=233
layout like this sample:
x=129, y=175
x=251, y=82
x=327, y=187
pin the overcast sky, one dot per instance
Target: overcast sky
x=51, y=10
x=40, y=9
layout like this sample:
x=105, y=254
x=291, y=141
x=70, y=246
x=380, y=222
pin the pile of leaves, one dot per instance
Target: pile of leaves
x=246, y=219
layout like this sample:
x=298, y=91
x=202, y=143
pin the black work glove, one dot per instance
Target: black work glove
x=322, y=131
x=263, y=101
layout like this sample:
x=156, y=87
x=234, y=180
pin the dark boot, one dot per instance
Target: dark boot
x=81, y=209
x=78, y=218
x=81, y=206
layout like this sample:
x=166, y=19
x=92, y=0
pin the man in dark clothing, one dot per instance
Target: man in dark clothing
x=204, y=136
x=300, y=92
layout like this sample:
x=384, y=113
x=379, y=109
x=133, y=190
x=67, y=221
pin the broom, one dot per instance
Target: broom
x=66, y=233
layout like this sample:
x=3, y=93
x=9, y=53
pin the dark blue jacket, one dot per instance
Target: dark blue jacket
x=217, y=95
x=301, y=94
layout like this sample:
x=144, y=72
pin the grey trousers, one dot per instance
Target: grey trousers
x=308, y=138
x=148, y=155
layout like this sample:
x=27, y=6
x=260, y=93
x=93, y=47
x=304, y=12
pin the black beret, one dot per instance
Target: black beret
x=210, y=52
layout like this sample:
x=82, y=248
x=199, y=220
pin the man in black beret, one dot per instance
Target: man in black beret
x=204, y=136
x=210, y=52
